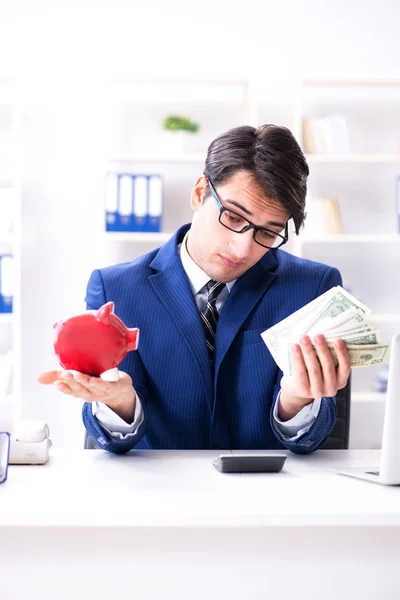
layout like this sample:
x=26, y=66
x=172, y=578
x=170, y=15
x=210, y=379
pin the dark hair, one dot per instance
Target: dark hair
x=273, y=158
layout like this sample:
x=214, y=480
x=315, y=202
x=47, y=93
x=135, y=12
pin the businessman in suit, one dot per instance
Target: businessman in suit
x=202, y=378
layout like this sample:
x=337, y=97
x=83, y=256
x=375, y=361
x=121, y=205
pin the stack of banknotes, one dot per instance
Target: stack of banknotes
x=336, y=315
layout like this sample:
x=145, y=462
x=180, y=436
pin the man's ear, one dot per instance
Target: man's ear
x=198, y=191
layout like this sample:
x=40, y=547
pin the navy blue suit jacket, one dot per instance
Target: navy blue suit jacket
x=185, y=407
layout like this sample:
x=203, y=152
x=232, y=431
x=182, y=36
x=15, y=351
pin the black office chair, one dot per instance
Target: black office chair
x=339, y=437
x=89, y=443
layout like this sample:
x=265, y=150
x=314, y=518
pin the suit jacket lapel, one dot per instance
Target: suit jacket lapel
x=172, y=286
x=245, y=294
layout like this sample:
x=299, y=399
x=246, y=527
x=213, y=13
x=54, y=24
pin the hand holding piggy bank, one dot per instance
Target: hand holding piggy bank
x=94, y=343
x=90, y=347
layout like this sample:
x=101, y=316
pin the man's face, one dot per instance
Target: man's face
x=223, y=254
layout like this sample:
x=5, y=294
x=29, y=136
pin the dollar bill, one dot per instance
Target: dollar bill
x=365, y=328
x=295, y=323
x=337, y=315
x=360, y=355
x=338, y=303
x=347, y=320
x=362, y=337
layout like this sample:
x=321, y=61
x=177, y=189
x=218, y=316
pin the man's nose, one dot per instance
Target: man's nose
x=242, y=243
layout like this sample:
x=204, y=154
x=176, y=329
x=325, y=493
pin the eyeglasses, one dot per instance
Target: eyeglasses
x=235, y=222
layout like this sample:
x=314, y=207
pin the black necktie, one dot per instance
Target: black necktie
x=209, y=315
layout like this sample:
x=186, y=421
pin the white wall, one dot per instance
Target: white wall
x=63, y=53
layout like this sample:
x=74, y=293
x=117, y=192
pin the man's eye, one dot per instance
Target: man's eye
x=234, y=219
x=267, y=235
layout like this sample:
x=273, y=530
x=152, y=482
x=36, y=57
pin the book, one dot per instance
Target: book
x=326, y=135
x=330, y=216
x=309, y=144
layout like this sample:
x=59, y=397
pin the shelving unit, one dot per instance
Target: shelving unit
x=137, y=144
x=6, y=318
x=347, y=238
x=364, y=182
x=385, y=318
x=177, y=158
x=368, y=397
x=158, y=238
x=10, y=241
x=354, y=159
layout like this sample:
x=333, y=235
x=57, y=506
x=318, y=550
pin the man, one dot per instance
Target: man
x=202, y=377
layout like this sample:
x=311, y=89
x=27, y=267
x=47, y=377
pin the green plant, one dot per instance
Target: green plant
x=178, y=123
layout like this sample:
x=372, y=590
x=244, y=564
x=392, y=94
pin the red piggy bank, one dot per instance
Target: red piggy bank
x=94, y=342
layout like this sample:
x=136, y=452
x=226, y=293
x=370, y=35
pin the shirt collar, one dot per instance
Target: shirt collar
x=197, y=277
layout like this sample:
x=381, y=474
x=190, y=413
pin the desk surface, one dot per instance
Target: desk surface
x=183, y=489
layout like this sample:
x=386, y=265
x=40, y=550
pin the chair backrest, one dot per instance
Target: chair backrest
x=339, y=437
x=89, y=443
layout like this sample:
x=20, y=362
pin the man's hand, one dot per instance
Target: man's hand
x=314, y=375
x=118, y=395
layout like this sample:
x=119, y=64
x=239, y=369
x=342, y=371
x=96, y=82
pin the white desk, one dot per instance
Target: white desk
x=167, y=525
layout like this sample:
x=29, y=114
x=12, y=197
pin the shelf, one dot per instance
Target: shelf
x=184, y=91
x=6, y=399
x=6, y=239
x=159, y=158
x=177, y=81
x=353, y=158
x=368, y=396
x=122, y=236
x=351, y=83
x=349, y=238
x=6, y=318
x=385, y=317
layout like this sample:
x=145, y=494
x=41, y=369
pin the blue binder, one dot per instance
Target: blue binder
x=134, y=203
x=125, y=202
x=111, y=202
x=4, y=455
x=154, y=203
x=398, y=204
x=6, y=298
x=140, y=203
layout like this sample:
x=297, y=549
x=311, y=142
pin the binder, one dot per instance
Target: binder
x=140, y=203
x=398, y=204
x=155, y=203
x=125, y=203
x=133, y=202
x=4, y=454
x=6, y=283
x=111, y=201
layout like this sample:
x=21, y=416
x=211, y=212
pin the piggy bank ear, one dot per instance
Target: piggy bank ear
x=132, y=338
x=104, y=312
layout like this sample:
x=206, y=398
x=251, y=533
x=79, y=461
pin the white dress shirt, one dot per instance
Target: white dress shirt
x=288, y=430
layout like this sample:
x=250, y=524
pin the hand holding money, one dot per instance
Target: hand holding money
x=336, y=315
x=314, y=374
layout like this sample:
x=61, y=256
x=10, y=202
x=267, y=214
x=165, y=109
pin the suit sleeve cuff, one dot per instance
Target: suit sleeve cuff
x=300, y=424
x=117, y=427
